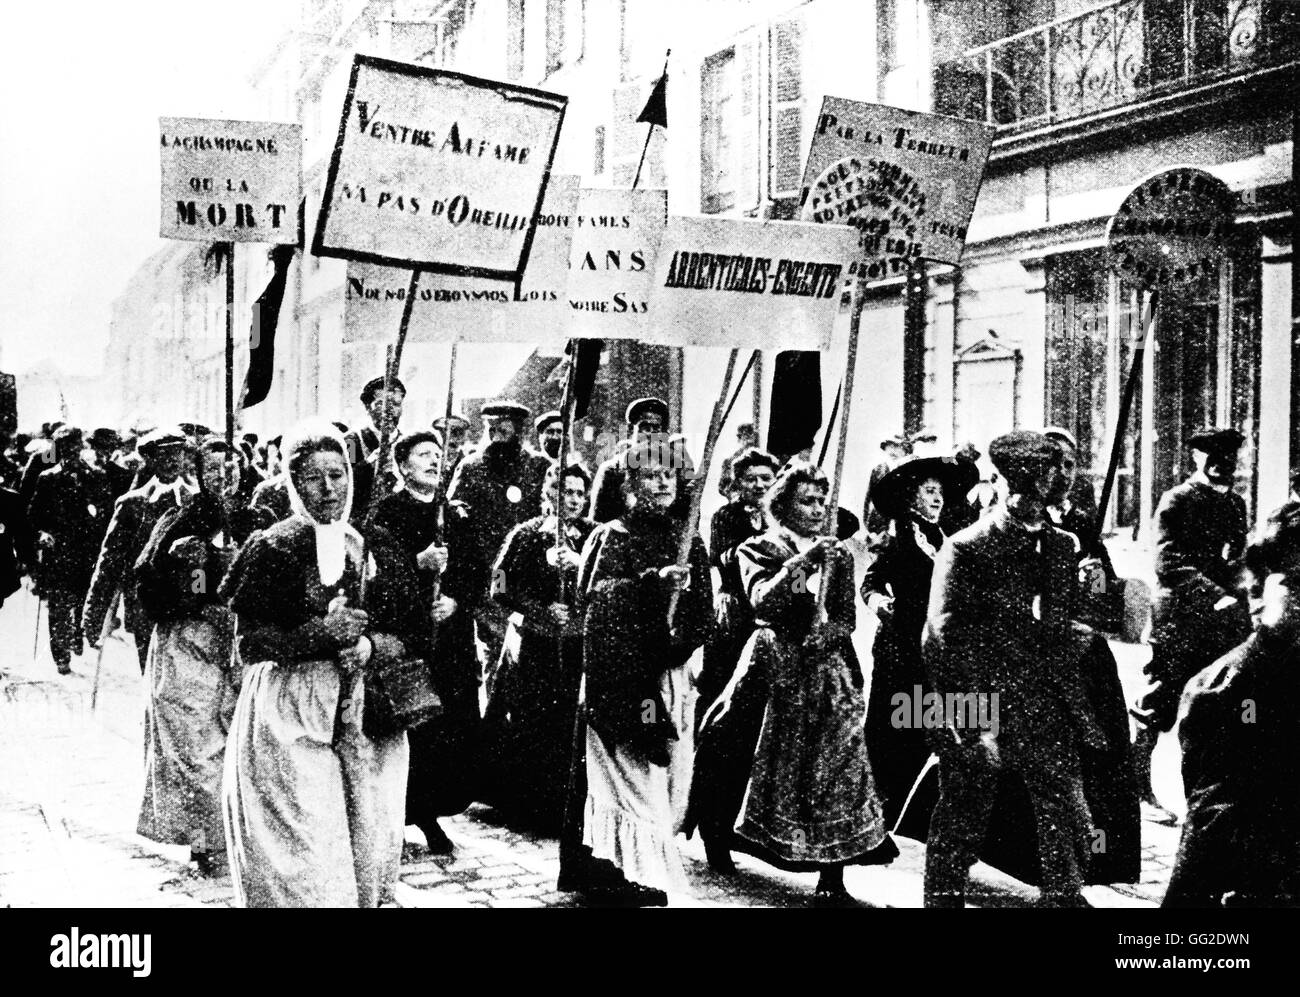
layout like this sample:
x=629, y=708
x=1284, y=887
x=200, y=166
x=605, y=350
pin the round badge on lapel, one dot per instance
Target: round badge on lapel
x=92, y=510
x=513, y=494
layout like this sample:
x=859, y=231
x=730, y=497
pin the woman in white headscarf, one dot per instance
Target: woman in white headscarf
x=313, y=806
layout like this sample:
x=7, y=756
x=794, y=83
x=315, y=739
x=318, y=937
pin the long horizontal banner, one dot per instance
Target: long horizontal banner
x=612, y=269
x=749, y=284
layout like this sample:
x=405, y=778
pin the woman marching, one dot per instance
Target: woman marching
x=314, y=805
x=753, y=472
x=188, y=670
x=452, y=575
x=809, y=803
x=531, y=713
x=896, y=587
x=639, y=702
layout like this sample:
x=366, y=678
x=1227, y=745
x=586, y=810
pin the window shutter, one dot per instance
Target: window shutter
x=787, y=106
x=749, y=159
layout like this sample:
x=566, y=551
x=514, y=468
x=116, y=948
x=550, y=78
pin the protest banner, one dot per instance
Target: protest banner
x=437, y=171
x=907, y=181
x=230, y=181
x=734, y=282
x=449, y=308
x=612, y=260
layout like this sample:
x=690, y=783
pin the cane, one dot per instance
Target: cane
x=105, y=630
x=36, y=637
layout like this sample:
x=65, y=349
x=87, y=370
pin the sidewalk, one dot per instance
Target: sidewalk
x=70, y=784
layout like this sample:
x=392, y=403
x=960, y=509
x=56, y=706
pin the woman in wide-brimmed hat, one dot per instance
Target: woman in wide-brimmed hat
x=896, y=587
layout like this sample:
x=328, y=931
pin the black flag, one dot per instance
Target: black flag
x=584, y=354
x=655, y=111
x=266, y=318
x=795, y=414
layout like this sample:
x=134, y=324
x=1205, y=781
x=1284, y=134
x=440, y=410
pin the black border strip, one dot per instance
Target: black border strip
x=511, y=91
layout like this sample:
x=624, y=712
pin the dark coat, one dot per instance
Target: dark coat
x=166, y=584
x=531, y=715
x=627, y=644
x=486, y=482
x=134, y=518
x=445, y=752
x=273, y=495
x=73, y=505
x=1241, y=841
x=732, y=525
x=1200, y=534
x=279, y=602
x=981, y=634
x=17, y=554
x=903, y=570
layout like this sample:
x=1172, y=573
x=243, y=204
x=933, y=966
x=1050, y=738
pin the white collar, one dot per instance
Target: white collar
x=180, y=489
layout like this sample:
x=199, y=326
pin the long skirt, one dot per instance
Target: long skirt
x=311, y=822
x=634, y=807
x=191, y=701
x=810, y=801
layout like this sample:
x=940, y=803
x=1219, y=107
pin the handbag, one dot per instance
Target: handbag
x=399, y=695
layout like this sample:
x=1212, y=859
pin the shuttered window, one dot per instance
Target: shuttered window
x=719, y=130
x=786, y=45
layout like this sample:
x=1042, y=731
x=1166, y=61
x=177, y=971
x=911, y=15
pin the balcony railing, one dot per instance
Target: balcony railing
x=1113, y=55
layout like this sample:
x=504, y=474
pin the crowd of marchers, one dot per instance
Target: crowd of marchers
x=608, y=677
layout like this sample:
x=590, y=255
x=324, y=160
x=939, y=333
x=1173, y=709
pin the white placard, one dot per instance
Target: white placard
x=230, y=181
x=437, y=171
x=906, y=180
x=474, y=309
x=612, y=260
x=749, y=284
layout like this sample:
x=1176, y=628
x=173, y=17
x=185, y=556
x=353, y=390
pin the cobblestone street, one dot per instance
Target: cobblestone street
x=70, y=781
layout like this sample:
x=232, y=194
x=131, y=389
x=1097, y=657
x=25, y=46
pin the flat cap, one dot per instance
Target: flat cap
x=68, y=435
x=164, y=436
x=505, y=409
x=1063, y=435
x=546, y=418
x=442, y=421
x=376, y=385
x=1021, y=446
x=1214, y=440
x=644, y=406
x=926, y=435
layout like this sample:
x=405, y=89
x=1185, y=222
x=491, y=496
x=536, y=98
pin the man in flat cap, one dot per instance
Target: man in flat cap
x=1196, y=616
x=167, y=457
x=380, y=405
x=69, y=513
x=500, y=485
x=549, y=427
x=998, y=638
x=646, y=418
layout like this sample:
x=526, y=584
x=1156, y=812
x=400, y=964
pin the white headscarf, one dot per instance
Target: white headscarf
x=331, y=538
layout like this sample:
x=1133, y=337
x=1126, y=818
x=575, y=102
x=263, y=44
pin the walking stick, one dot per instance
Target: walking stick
x=36, y=637
x=105, y=628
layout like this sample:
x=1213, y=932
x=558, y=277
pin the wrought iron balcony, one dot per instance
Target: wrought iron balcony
x=1115, y=54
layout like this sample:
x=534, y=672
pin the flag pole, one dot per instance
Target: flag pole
x=1149, y=319
x=651, y=130
x=701, y=473
x=833, y=504
x=230, y=344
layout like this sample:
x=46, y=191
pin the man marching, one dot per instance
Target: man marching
x=1197, y=617
x=134, y=517
x=70, y=509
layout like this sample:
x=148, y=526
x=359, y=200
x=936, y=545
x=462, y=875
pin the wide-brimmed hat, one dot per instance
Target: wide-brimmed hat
x=892, y=494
